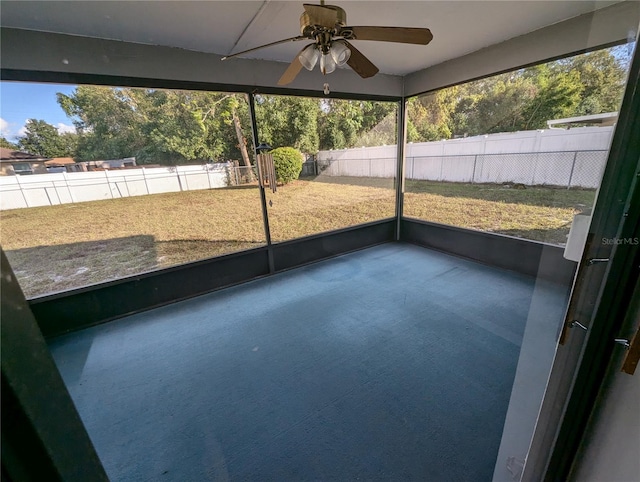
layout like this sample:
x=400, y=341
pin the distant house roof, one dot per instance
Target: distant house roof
x=60, y=161
x=606, y=119
x=11, y=155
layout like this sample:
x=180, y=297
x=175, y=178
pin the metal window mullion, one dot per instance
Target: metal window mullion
x=401, y=142
x=263, y=196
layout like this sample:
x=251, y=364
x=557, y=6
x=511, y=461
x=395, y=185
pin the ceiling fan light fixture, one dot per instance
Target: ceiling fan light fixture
x=340, y=53
x=326, y=26
x=309, y=57
x=327, y=64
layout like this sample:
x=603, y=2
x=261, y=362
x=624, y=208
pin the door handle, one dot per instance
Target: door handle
x=633, y=355
x=570, y=316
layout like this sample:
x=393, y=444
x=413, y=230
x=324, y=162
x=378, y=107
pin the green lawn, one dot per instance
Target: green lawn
x=537, y=213
x=55, y=248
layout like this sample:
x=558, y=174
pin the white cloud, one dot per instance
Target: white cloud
x=63, y=128
x=8, y=130
x=23, y=130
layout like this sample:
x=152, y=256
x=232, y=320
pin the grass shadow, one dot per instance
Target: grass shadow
x=546, y=196
x=239, y=187
x=557, y=236
x=379, y=182
x=579, y=199
x=48, y=269
x=180, y=251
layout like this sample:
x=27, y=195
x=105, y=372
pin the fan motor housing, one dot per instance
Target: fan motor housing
x=308, y=25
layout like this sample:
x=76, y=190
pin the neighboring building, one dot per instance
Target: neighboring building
x=64, y=164
x=125, y=163
x=13, y=162
x=605, y=119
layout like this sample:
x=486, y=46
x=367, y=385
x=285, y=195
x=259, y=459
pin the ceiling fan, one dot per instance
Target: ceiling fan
x=326, y=26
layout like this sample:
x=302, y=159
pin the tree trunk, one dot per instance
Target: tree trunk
x=242, y=143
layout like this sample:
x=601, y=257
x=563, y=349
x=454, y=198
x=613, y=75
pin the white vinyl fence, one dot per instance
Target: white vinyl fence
x=71, y=187
x=555, y=157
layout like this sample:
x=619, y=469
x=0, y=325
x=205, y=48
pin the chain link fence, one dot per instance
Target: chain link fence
x=385, y=167
x=309, y=168
x=569, y=169
x=240, y=175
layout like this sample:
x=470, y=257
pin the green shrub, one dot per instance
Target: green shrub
x=288, y=163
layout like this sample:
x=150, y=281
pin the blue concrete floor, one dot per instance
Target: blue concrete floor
x=395, y=362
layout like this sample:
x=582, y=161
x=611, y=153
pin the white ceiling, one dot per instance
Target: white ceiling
x=224, y=27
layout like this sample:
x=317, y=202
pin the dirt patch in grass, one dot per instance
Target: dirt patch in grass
x=42, y=269
x=61, y=247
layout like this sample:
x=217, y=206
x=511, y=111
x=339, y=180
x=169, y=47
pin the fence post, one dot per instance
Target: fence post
x=48, y=197
x=55, y=188
x=206, y=166
x=473, y=176
x=178, y=176
x=66, y=181
x=127, y=186
x=146, y=186
x=26, y=203
x=573, y=166
x=106, y=176
x=118, y=189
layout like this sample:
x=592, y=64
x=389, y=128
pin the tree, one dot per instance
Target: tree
x=557, y=96
x=350, y=123
x=43, y=139
x=5, y=143
x=602, y=76
x=525, y=99
x=107, y=121
x=384, y=132
x=430, y=116
x=158, y=126
x=242, y=142
x=288, y=121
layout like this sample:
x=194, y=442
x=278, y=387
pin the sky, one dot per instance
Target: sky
x=20, y=101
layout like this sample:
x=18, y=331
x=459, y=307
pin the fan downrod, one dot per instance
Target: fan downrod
x=310, y=25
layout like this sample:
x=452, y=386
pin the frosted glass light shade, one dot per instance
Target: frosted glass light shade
x=340, y=53
x=327, y=64
x=309, y=57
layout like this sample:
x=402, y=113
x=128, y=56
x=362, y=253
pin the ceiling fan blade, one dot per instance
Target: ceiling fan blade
x=405, y=35
x=292, y=39
x=358, y=62
x=322, y=15
x=293, y=70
